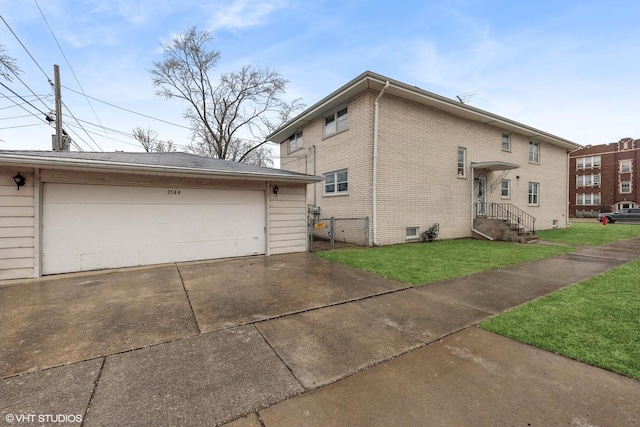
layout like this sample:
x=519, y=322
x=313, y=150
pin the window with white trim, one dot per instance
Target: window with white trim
x=625, y=187
x=534, y=193
x=625, y=166
x=534, y=152
x=587, y=180
x=505, y=188
x=625, y=205
x=588, y=162
x=336, y=182
x=295, y=142
x=336, y=122
x=588, y=199
x=462, y=161
x=506, y=141
x=412, y=233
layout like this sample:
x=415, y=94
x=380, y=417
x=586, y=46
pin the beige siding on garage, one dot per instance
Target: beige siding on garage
x=17, y=211
x=287, y=220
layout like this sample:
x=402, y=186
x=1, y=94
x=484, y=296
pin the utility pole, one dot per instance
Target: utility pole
x=57, y=146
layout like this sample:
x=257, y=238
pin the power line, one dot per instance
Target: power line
x=90, y=137
x=24, y=47
x=15, y=117
x=27, y=86
x=129, y=111
x=21, y=126
x=26, y=102
x=68, y=63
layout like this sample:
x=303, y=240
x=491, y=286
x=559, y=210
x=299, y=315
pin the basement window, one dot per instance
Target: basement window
x=412, y=233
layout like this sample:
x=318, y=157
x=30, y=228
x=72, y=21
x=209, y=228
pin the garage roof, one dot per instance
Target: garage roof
x=174, y=163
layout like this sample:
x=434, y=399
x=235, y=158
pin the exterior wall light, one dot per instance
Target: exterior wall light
x=19, y=180
x=275, y=190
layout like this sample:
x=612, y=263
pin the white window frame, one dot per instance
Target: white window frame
x=412, y=233
x=620, y=205
x=506, y=141
x=534, y=152
x=507, y=188
x=534, y=194
x=588, y=162
x=340, y=120
x=295, y=142
x=462, y=164
x=336, y=183
x=622, y=185
x=592, y=180
x=625, y=166
x=588, y=199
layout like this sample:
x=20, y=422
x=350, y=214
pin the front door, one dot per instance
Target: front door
x=481, y=197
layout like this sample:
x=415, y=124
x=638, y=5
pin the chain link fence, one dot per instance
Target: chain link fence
x=332, y=233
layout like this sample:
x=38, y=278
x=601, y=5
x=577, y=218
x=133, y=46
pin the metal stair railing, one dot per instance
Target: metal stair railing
x=513, y=216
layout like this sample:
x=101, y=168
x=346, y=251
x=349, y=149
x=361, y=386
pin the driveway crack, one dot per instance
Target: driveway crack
x=93, y=393
x=186, y=292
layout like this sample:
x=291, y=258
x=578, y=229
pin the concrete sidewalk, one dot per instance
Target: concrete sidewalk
x=298, y=341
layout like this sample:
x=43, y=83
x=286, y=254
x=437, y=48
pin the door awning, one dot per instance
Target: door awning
x=494, y=165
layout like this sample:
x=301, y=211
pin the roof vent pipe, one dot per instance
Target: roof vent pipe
x=374, y=191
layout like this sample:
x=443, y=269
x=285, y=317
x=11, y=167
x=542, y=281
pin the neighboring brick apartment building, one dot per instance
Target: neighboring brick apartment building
x=407, y=159
x=604, y=178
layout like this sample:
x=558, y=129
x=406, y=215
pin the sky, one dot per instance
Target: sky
x=569, y=68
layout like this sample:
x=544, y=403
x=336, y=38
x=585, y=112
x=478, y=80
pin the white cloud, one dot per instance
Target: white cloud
x=244, y=13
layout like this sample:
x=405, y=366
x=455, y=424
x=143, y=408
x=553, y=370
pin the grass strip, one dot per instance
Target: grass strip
x=596, y=321
x=591, y=234
x=424, y=263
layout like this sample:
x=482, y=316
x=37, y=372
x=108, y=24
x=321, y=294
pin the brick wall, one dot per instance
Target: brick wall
x=611, y=155
x=417, y=168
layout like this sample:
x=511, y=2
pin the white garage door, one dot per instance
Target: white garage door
x=91, y=227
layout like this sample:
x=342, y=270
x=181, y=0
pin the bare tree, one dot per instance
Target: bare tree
x=8, y=66
x=148, y=138
x=242, y=103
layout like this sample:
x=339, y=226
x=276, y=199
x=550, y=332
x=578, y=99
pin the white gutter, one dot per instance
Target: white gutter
x=471, y=208
x=101, y=165
x=374, y=190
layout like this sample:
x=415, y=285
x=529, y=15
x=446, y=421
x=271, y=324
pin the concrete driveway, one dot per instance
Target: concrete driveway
x=294, y=340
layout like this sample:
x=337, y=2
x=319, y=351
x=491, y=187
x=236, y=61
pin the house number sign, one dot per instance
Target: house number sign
x=173, y=192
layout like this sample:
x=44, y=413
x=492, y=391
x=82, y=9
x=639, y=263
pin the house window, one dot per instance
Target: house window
x=412, y=233
x=534, y=152
x=505, y=188
x=626, y=205
x=625, y=187
x=534, y=193
x=336, y=182
x=295, y=142
x=587, y=180
x=336, y=122
x=587, y=199
x=625, y=166
x=588, y=162
x=462, y=161
x=506, y=141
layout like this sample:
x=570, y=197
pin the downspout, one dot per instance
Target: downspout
x=314, y=174
x=374, y=190
x=471, y=208
x=568, y=187
x=569, y=153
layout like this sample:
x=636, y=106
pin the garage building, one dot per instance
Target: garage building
x=89, y=211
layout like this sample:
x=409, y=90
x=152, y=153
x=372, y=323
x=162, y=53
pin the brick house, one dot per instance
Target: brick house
x=407, y=159
x=604, y=178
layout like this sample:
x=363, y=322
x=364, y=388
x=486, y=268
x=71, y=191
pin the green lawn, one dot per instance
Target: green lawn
x=591, y=234
x=423, y=263
x=596, y=321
